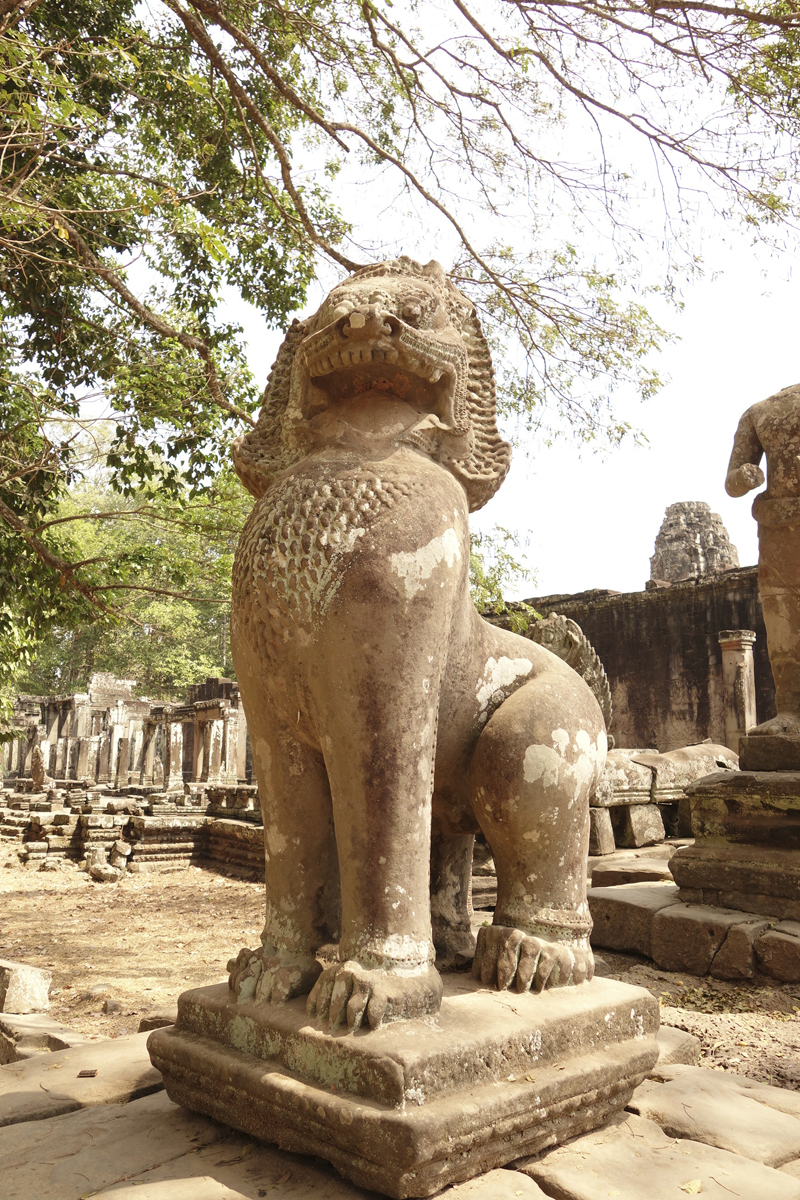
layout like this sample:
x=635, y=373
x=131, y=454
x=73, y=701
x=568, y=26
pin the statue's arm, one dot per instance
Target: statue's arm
x=744, y=473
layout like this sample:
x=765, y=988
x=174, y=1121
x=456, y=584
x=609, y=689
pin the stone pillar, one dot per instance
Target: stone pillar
x=136, y=734
x=241, y=745
x=738, y=684
x=198, y=765
x=103, y=753
x=229, y=772
x=115, y=737
x=213, y=750
x=62, y=758
x=173, y=767
x=92, y=752
x=123, y=761
x=82, y=770
x=148, y=754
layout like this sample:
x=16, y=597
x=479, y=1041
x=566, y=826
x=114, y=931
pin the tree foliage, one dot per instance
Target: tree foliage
x=156, y=157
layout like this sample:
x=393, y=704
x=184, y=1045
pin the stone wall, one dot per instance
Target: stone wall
x=662, y=657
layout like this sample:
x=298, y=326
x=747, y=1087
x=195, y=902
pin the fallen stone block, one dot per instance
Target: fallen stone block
x=723, y=1110
x=623, y=781
x=48, y=1085
x=104, y=873
x=23, y=989
x=778, y=953
x=633, y=1159
x=158, y=1020
x=639, y=825
x=677, y=1046
x=736, y=958
x=34, y=1033
x=643, y=870
x=685, y=937
x=601, y=832
x=623, y=915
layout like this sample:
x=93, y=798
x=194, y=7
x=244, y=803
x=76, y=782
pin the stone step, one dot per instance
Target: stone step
x=650, y=919
x=49, y=1085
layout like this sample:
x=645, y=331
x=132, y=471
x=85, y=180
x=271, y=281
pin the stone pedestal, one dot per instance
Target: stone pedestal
x=747, y=850
x=769, y=752
x=416, y=1105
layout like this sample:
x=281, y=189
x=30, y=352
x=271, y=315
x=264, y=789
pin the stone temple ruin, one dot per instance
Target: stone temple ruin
x=691, y=542
x=122, y=783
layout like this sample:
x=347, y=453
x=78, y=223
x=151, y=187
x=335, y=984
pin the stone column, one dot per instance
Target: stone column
x=123, y=761
x=173, y=767
x=82, y=771
x=103, y=752
x=213, y=750
x=738, y=684
x=199, y=755
x=230, y=746
x=136, y=735
x=92, y=752
x=148, y=754
x=241, y=745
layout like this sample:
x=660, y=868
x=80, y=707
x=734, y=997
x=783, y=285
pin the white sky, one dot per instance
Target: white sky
x=590, y=520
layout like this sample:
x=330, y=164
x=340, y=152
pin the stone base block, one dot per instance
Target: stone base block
x=601, y=832
x=769, y=752
x=23, y=989
x=638, y=825
x=747, y=852
x=755, y=878
x=778, y=952
x=417, y=1105
x=687, y=937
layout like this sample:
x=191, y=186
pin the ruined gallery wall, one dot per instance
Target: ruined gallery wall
x=662, y=656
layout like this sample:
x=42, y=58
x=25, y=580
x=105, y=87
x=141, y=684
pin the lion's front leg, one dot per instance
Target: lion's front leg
x=375, y=687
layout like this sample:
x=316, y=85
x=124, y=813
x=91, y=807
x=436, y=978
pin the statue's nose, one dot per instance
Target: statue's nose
x=364, y=323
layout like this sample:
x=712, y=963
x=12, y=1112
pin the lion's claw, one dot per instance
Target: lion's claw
x=507, y=957
x=269, y=976
x=348, y=992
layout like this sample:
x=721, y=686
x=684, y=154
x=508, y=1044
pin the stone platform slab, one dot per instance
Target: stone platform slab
x=50, y=1084
x=734, y=1113
x=633, y=1159
x=416, y=1105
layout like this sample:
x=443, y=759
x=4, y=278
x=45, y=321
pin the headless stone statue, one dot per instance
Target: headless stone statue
x=772, y=428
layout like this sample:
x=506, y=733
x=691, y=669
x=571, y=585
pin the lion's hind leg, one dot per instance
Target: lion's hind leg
x=531, y=776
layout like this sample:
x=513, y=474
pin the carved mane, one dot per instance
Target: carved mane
x=264, y=453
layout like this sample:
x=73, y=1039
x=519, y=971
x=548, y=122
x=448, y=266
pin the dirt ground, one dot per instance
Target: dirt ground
x=141, y=941
x=146, y=939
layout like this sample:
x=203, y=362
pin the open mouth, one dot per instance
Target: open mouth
x=378, y=353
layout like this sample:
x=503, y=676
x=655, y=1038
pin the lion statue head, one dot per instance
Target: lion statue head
x=397, y=332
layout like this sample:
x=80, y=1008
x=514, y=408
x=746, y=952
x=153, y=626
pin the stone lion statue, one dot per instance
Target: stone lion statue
x=389, y=722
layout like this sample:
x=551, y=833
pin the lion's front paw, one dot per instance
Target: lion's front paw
x=348, y=991
x=271, y=976
x=508, y=957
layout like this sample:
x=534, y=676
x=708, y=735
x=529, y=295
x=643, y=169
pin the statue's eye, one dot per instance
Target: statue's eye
x=412, y=313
